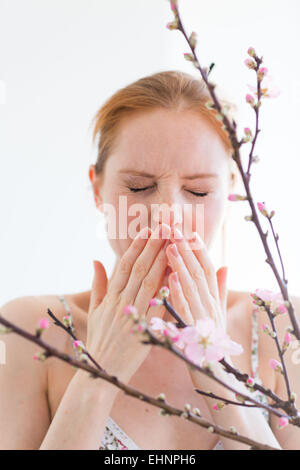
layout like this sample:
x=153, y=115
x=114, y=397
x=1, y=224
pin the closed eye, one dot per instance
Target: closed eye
x=135, y=190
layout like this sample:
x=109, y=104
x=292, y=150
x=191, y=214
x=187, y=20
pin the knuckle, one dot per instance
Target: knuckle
x=197, y=275
x=190, y=289
x=140, y=268
x=149, y=284
x=125, y=266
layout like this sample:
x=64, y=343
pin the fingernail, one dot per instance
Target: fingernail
x=143, y=233
x=166, y=244
x=174, y=250
x=177, y=234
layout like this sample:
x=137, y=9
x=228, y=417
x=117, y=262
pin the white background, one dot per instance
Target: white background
x=61, y=59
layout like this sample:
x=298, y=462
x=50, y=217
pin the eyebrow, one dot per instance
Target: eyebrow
x=188, y=177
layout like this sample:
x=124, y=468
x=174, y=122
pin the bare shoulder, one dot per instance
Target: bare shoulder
x=26, y=311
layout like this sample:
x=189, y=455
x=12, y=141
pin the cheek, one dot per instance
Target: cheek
x=208, y=217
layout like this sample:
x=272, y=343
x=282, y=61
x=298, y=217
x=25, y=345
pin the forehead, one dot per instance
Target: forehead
x=161, y=140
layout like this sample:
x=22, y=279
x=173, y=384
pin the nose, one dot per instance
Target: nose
x=169, y=214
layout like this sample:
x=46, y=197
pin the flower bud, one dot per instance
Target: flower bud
x=276, y=365
x=78, y=345
x=39, y=356
x=161, y=397
x=193, y=39
x=233, y=429
x=219, y=405
x=261, y=208
x=188, y=56
x=250, y=100
x=155, y=301
x=250, y=63
x=251, y=52
x=248, y=135
x=262, y=72
x=283, y=422
x=164, y=292
x=196, y=411
x=210, y=429
x=248, y=217
x=67, y=321
x=239, y=398
x=209, y=105
x=236, y=197
x=83, y=357
x=250, y=381
x=172, y=25
x=187, y=407
x=130, y=310
x=4, y=330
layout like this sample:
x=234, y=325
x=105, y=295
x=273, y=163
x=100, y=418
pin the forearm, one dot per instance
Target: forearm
x=80, y=419
x=248, y=421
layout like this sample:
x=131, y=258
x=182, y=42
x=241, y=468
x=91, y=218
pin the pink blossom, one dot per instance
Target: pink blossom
x=268, y=89
x=281, y=309
x=273, y=300
x=207, y=343
x=44, y=323
x=168, y=329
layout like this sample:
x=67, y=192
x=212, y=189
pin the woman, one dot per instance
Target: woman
x=159, y=144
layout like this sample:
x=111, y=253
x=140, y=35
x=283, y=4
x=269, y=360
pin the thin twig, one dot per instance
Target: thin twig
x=96, y=373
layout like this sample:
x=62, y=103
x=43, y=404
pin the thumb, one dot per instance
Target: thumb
x=99, y=285
x=222, y=276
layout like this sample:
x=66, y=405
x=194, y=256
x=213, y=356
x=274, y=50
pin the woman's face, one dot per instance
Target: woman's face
x=172, y=155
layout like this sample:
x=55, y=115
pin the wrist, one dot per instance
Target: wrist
x=94, y=387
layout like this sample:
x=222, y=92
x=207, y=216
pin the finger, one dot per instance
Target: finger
x=152, y=281
x=201, y=252
x=145, y=260
x=179, y=302
x=99, y=286
x=222, y=276
x=188, y=285
x=193, y=265
x=122, y=273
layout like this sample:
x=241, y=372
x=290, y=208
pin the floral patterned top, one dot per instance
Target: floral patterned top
x=115, y=438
